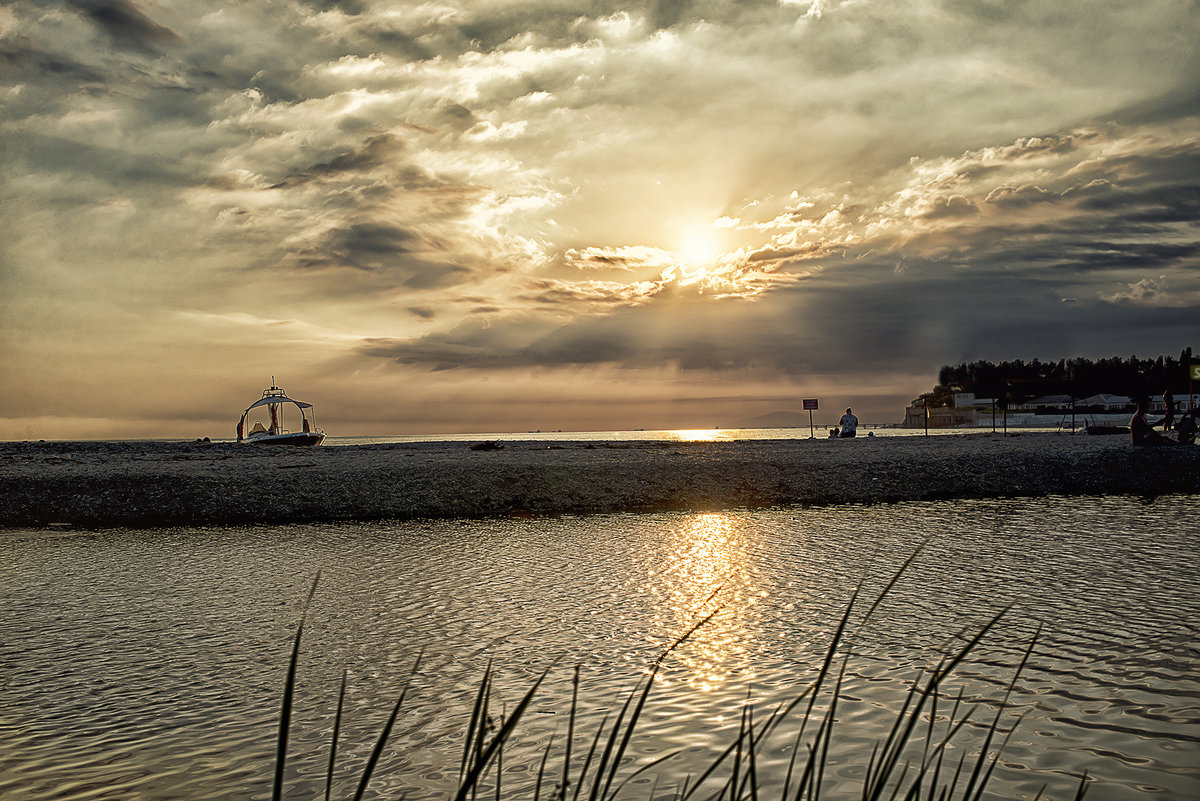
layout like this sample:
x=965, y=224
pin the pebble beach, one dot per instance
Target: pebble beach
x=147, y=484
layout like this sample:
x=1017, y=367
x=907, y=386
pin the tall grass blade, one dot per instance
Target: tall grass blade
x=478, y=722
x=892, y=583
x=590, y=755
x=888, y=764
x=733, y=783
x=753, y=761
x=612, y=758
x=975, y=775
x=472, y=778
x=645, y=768
x=566, y=777
x=610, y=745
x=333, y=743
x=500, y=763
x=377, y=751
x=711, y=769
x=541, y=774
x=289, y=688
x=814, y=688
x=1083, y=787
x=828, y=724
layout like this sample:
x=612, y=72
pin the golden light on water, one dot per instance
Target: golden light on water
x=709, y=571
x=700, y=434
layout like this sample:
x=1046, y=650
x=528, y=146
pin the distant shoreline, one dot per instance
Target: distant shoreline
x=154, y=484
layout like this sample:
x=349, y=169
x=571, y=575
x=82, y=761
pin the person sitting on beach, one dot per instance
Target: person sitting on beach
x=849, y=424
x=1142, y=430
x=1185, y=429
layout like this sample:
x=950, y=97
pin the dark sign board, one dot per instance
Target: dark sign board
x=810, y=404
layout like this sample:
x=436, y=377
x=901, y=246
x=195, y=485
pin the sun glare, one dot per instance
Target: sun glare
x=700, y=434
x=698, y=247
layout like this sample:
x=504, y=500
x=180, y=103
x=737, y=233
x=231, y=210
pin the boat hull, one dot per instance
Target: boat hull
x=303, y=438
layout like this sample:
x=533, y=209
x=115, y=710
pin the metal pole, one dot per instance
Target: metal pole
x=812, y=432
x=1005, y=408
x=925, y=403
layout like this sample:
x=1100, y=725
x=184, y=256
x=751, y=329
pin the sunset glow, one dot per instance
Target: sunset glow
x=699, y=247
x=476, y=217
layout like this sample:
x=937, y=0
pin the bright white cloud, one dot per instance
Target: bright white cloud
x=648, y=186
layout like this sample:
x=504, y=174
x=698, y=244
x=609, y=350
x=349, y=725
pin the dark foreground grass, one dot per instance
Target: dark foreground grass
x=910, y=763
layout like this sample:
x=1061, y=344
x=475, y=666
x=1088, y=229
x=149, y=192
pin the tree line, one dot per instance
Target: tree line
x=1018, y=381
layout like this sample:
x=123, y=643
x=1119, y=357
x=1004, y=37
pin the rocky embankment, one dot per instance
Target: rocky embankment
x=141, y=484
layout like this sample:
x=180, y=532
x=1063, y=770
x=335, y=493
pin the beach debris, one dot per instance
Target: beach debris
x=487, y=446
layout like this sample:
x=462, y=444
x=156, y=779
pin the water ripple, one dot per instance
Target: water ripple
x=142, y=664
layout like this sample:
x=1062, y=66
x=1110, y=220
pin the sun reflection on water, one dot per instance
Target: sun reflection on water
x=709, y=571
x=700, y=434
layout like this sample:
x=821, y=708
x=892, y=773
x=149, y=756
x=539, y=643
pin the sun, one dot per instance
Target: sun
x=698, y=247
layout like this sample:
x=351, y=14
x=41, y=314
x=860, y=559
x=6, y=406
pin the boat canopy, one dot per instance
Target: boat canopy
x=277, y=399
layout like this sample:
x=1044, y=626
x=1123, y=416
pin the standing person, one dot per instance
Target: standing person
x=1168, y=421
x=849, y=424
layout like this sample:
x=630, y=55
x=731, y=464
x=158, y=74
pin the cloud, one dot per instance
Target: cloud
x=483, y=188
x=1018, y=195
x=978, y=267
x=126, y=23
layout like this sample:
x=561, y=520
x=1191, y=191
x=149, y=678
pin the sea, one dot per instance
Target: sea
x=152, y=664
x=682, y=435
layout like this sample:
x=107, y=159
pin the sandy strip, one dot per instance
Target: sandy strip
x=140, y=484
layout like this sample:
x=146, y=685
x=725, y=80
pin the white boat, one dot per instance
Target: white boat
x=274, y=433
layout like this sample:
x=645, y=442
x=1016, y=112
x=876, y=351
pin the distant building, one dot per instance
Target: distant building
x=967, y=400
x=1108, y=403
x=968, y=411
x=915, y=416
x=1047, y=404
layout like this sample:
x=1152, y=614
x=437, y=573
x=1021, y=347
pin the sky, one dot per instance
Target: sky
x=483, y=216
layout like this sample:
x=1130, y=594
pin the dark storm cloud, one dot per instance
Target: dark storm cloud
x=126, y=23
x=1151, y=205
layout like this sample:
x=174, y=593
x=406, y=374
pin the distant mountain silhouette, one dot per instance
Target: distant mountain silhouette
x=776, y=420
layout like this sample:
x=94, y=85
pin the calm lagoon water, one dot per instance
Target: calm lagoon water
x=150, y=664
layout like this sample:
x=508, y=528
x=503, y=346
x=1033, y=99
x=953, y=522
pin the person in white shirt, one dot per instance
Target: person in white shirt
x=849, y=424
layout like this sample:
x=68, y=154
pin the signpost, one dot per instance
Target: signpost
x=811, y=404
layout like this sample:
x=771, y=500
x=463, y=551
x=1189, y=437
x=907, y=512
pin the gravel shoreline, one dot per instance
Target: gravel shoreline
x=147, y=484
